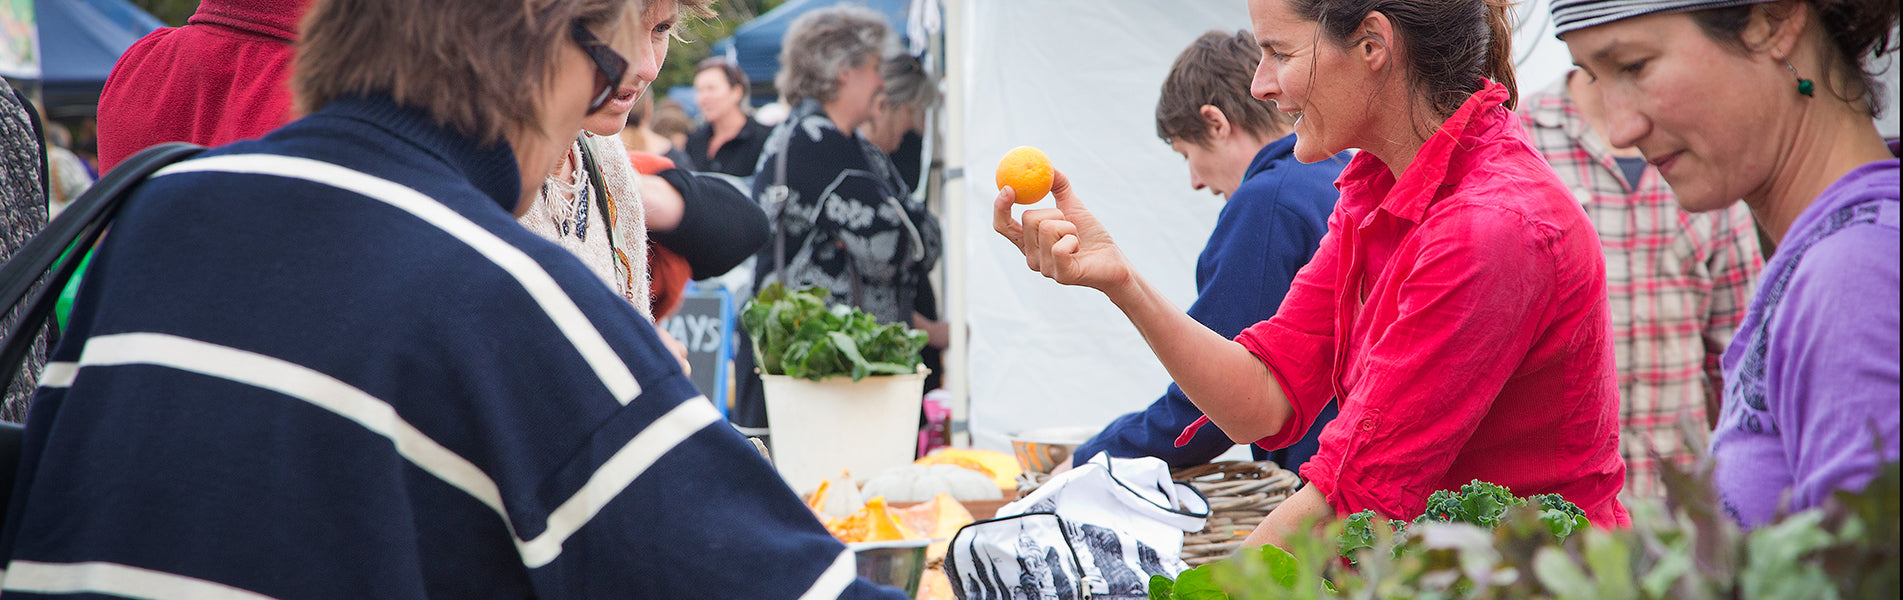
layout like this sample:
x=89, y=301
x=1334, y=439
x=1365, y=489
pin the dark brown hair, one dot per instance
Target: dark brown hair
x=478, y=67
x=1215, y=70
x=1448, y=45
x=735, y=76
x=1859, y=30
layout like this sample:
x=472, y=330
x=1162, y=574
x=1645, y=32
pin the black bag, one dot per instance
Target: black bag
x=78, y=227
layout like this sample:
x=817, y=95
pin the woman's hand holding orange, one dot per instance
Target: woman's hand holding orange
x=1067, y=243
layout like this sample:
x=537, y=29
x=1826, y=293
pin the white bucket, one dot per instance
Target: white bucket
x=819, y=428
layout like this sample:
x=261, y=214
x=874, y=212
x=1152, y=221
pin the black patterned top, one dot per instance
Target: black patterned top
x=849, y=222
x=22, y=214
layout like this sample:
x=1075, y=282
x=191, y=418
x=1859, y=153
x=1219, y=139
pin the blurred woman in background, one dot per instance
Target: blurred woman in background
x=730, y=140
x=841, y=217
x=371, y=381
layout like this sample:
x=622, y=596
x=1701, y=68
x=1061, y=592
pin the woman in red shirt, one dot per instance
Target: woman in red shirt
x=1456, y=307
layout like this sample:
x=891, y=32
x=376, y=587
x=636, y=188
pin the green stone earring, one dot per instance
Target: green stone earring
x=1804, y=86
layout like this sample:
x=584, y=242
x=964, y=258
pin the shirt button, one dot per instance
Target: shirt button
x=1367, y=424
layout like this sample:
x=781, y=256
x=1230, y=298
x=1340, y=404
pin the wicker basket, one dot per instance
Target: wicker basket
x=1240, y=495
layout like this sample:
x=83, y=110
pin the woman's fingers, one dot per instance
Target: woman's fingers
x=1001, y=220
x=1060, y=239
x=1036, y=245
x=1061, y=191
x=1049, y=238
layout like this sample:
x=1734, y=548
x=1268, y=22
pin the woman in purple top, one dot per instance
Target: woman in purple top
x=1770, y=101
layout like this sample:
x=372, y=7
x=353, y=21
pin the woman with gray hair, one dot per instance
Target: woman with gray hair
x=330, y=364
x=842, y=218
x=899, y=114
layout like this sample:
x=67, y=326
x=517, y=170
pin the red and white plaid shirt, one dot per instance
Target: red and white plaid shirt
x=1677, y=283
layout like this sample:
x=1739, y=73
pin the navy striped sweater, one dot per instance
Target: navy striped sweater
x=329, y=364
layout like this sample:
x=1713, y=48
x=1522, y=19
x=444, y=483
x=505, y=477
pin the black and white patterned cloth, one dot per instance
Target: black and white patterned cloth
x=849, y=221
x=22, y=214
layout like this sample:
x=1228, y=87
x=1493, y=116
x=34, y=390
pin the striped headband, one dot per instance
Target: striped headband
x=1572, y=15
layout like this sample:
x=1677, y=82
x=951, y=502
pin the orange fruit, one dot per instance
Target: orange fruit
x=1028, y=171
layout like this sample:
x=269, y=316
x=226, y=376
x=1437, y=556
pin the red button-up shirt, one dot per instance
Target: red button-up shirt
x=1459, y=314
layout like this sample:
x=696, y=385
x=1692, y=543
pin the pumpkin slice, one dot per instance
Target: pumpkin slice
x=882, y=525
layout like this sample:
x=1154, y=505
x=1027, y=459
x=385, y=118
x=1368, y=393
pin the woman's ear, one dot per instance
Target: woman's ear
x=1216, y=122
x=1776, y=26
x=1375, y=44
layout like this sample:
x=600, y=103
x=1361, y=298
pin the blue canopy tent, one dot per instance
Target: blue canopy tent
x=79, y=42
x=756, y=45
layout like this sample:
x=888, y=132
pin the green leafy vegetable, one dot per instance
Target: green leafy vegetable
x=1679, y=548
x=1198, y=584
x=1561, y=516
x=795, y=334
x=1162, y=588
x=1479, y=503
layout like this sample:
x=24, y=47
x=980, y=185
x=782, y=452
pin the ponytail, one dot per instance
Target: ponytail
x=1499, y=65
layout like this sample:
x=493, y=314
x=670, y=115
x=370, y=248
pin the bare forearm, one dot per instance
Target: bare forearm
x=1306, y=508
x=937, y=333
x=1222, y=378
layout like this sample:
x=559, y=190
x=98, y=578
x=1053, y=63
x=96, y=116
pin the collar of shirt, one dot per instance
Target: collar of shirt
x=1553, y=108
x=489, y=167
x=1269, y=155
x=273, y=18
x=752, y=129
x=1367, y=180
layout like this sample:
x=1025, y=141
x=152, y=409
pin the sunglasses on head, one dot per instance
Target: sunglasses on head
x=609, y=63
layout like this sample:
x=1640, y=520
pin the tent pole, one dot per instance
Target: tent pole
x=957, y=379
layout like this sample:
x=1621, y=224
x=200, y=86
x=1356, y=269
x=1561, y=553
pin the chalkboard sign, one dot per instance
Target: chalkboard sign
x=705, y=324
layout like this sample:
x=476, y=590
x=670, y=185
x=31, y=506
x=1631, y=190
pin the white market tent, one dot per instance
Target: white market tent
x=1079, y=79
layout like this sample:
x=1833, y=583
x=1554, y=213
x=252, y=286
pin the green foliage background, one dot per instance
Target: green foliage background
x=696, y=43
x=172, y=12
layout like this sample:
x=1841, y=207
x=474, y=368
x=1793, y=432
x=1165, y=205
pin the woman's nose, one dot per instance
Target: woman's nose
x=1626, y=124
x=646, y=64
x=1264, y=86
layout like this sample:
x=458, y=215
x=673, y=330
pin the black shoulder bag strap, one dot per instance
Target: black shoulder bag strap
x=78, y=227
x=600, y=184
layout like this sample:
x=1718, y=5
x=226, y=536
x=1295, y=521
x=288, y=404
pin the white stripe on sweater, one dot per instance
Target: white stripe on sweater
x=561, y=309
x=113, y=579
x=835, y=579
x=58, y=374
x=616, y=474
x=296, y=381
x=608, y=481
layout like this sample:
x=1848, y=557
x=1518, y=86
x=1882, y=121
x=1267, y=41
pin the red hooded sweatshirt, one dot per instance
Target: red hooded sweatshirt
x=223, y=77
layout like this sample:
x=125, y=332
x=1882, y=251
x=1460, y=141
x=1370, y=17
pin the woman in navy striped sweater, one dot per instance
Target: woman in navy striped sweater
x=330, y=364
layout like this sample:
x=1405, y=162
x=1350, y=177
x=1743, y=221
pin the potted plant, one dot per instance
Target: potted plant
x=842, y=390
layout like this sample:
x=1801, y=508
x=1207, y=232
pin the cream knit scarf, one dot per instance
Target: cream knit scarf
x=626, y=268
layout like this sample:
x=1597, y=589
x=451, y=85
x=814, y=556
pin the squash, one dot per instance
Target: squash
x=836, y=497
x=938, y=520
x=918, y=483
x=1003, y=468
x=872, y=523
